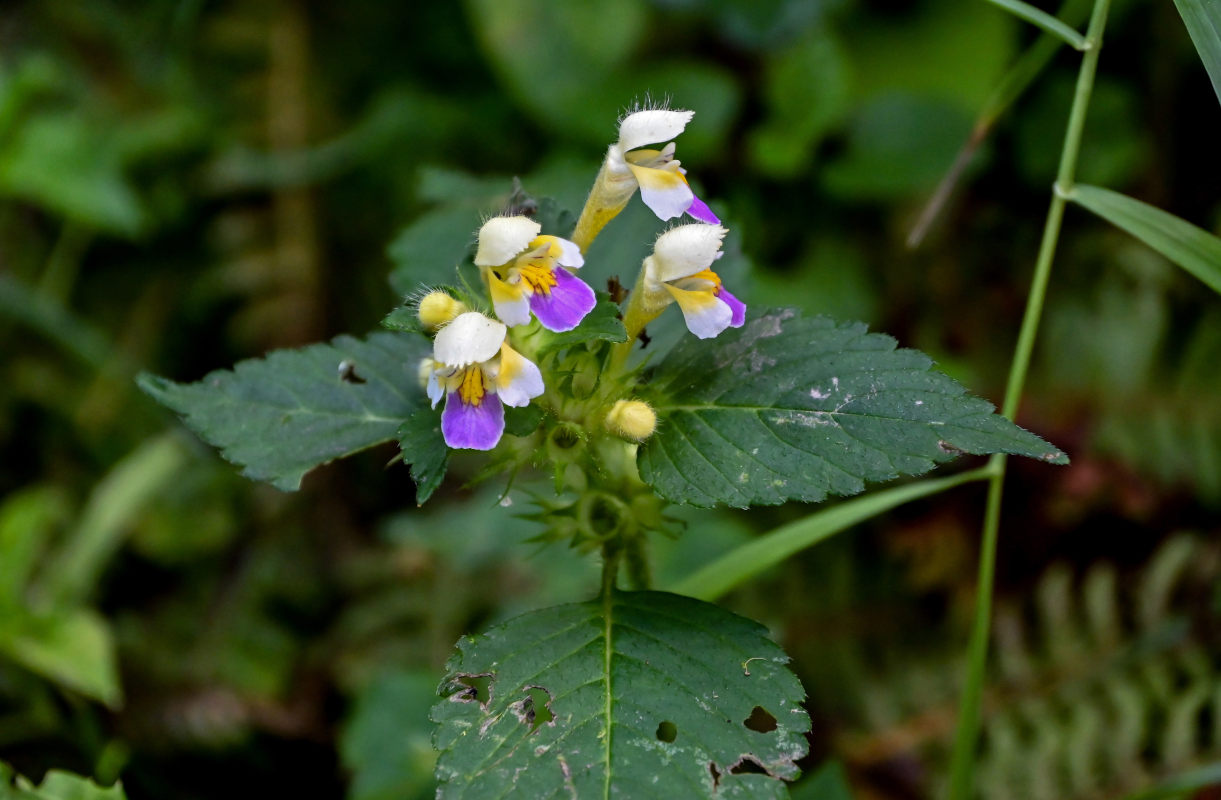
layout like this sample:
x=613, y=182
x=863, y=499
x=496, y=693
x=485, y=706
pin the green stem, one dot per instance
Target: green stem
x=639, y=574
x=963, y=759
x=612, y=553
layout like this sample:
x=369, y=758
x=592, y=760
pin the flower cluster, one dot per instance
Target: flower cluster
x=531, y=283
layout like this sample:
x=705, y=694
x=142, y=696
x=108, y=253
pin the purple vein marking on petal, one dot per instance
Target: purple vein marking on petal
x=736, y=306
x=472, y=427
x=700, y=210
x=563, y=308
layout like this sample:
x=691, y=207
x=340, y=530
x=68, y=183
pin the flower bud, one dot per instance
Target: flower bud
x=437, y=308
x=427, y=365
x=632, y=419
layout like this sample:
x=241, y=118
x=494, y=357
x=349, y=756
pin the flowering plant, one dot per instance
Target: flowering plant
x=548, y=376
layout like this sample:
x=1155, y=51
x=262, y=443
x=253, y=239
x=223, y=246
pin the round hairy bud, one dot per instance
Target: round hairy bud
x=437, y=308
x=632, y=419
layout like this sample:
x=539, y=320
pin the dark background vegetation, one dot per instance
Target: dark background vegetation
x=187, y=184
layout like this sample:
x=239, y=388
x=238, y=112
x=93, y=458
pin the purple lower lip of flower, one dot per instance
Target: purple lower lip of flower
x=563, y=308
x=472, y=427
x=736, y=306
x=700, y=210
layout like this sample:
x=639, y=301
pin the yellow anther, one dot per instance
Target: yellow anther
x=539, y=278
x=473, y=386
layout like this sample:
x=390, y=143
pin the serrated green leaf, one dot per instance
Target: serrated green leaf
x=1194, y=249
x=73, y=649
x=600, y=324
x=1203, y=21
x=638, y=694
x=790, y=408
x=279, y=417
x=424, y=448
x=56, y=785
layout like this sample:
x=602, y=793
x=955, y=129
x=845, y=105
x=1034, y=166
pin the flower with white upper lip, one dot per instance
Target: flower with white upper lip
x=528, y=273
x=680, y=271
x=478, y=373
x=629, y=165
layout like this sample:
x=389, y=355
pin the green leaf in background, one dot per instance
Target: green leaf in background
x=1194, y=249
x=828, y=783
x=56, y=785
x=429, y=249
x=558, y=82
x=640, y=694
x=64, y=162
x=897, y=144
x=279, y=417
x=27, y=519
x=1203, y=21
x=425, y=450
x=74, y=649
x=790, y=408
x=387, y=742
x=807, y=90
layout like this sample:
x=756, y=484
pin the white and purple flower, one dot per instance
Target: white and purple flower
x=477, y=373
x=528, y=274
x=679, y=270
x=661, y=178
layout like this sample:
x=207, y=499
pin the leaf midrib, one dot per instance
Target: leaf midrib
x=608, y=606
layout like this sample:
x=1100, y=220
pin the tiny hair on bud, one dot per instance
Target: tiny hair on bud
x=437, y=308
x=633, y=420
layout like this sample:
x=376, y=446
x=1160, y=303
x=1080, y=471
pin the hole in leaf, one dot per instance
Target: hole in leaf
x=748, y=765
x=716, y=774
x=760, y=720
x=478, y=688
x=536, y=707
x=667, y=732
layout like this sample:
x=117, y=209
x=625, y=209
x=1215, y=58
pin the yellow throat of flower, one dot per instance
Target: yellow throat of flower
x=473, y=386
x=539, y=278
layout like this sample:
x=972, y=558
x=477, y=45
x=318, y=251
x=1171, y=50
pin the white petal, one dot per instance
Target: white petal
x=570, y=255
x=686, y=250
x=651, y=127
x=513, y=312
x=519, y=378
x=470, y=339
x=502, y=238
x=435, y=392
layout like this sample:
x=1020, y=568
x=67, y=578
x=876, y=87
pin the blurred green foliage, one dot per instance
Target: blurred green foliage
x=184, y=185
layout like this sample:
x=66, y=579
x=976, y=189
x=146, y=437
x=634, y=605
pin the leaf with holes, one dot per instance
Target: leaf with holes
x=790, y=408
x=636, y=694
x=279, y=417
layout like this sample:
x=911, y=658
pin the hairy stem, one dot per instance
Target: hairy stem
x=963, y=760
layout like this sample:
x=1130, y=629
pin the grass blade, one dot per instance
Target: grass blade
x=1194, y=249
x=1184, y=785
x=1013, y=86
x=1203, y=21
x=745, y=562
x=1042, y=20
